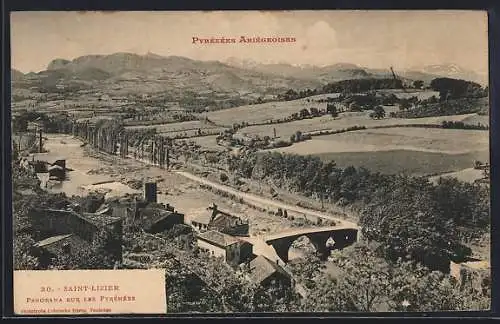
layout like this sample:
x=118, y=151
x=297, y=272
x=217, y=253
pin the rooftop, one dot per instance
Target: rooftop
x=154, y=215
x=55, y=167
x=103, y=209
x=202, y=218
x=262, y=268
x=52, y=239
x=218, y=238
x=477, y=265
x=100, y=220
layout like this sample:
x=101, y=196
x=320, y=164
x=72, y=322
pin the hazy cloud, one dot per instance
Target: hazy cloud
x=370, y=38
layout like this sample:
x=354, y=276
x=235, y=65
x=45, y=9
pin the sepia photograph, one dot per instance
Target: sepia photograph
x=250, y=161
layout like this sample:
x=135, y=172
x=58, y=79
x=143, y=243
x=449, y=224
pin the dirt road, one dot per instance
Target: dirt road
x=264, y=202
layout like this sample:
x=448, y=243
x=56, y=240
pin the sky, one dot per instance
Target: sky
x=375, y=39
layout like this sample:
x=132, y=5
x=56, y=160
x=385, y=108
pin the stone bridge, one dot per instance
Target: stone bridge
x=342, y=236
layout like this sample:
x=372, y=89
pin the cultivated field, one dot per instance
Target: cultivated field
x=262, y=112
x=275, y=110
x=416, y=151
x=465, y=175
x=477, y=119
x=420, y=94
x=175, y=127
x=345, y=120
x=448, y=141
x=416, y=163
x=208, y=142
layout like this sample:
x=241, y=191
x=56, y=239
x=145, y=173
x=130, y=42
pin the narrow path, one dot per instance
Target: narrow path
x=265, y=201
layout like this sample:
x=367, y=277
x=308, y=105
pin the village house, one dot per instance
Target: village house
x=66, y=231
x=155, y=220
x=472, y=274
x=56, y=172
x=200, y=222
x=218, y=220
x=231, y=249
x=151, y=216
x=65, y=244
x=264, y=272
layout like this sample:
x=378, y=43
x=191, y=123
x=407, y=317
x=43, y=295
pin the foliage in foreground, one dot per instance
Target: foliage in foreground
x=366, y=283
x=409, y=215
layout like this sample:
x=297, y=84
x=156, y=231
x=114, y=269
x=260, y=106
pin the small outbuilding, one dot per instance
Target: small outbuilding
x=264, y=272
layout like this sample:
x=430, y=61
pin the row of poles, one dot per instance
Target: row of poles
x=110, y=140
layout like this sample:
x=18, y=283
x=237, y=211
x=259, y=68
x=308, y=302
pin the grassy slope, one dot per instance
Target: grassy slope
x=345, y=120
x=415, y=151
x=405, y=161
x=274, y=110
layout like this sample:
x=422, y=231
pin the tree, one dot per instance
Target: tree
x=24, y=256
x=315, y=112
x=291, y=95
x=378, y=112
x=450, y=88
x=432, y=100
x=362, y=283
x=223, y=177
x=332, y=110
x=416, y=289
x=304, y=113
x=329, y=295
x=307, y=269
x=354, y=107
x=404, y=104
x=418, y=84
x=404, y=219
x=365, y=282
x=366, y=278
x=297, y=137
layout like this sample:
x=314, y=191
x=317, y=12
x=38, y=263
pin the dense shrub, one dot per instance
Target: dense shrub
x=448, y=108
x=398, y=211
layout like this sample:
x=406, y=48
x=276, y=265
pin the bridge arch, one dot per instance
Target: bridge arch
x=301, y=244
x=318, y=237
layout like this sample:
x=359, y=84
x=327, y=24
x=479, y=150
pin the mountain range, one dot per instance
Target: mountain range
x=341, y=71
x=125, y=73
x=132, y=73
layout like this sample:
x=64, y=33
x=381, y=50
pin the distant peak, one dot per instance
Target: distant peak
x=153, y=55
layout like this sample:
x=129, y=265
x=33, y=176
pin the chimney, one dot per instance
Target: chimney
x=61, y=163
x=41, y=143
x=150, y=192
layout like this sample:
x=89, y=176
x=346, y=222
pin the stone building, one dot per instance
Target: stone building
x=218, y=220
x=147, y=213
x=155, y=220
x=201, y=222
x=231, y=249
x=264, y=272
x=56, y=172
x=55, y=229
x=65, y=244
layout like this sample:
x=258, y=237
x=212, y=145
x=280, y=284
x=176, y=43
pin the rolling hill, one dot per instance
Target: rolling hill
x=330, y=73
x=454, y=71
x=123, y=73
x=179, y=78
x=16, y=75
x=342, y=71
